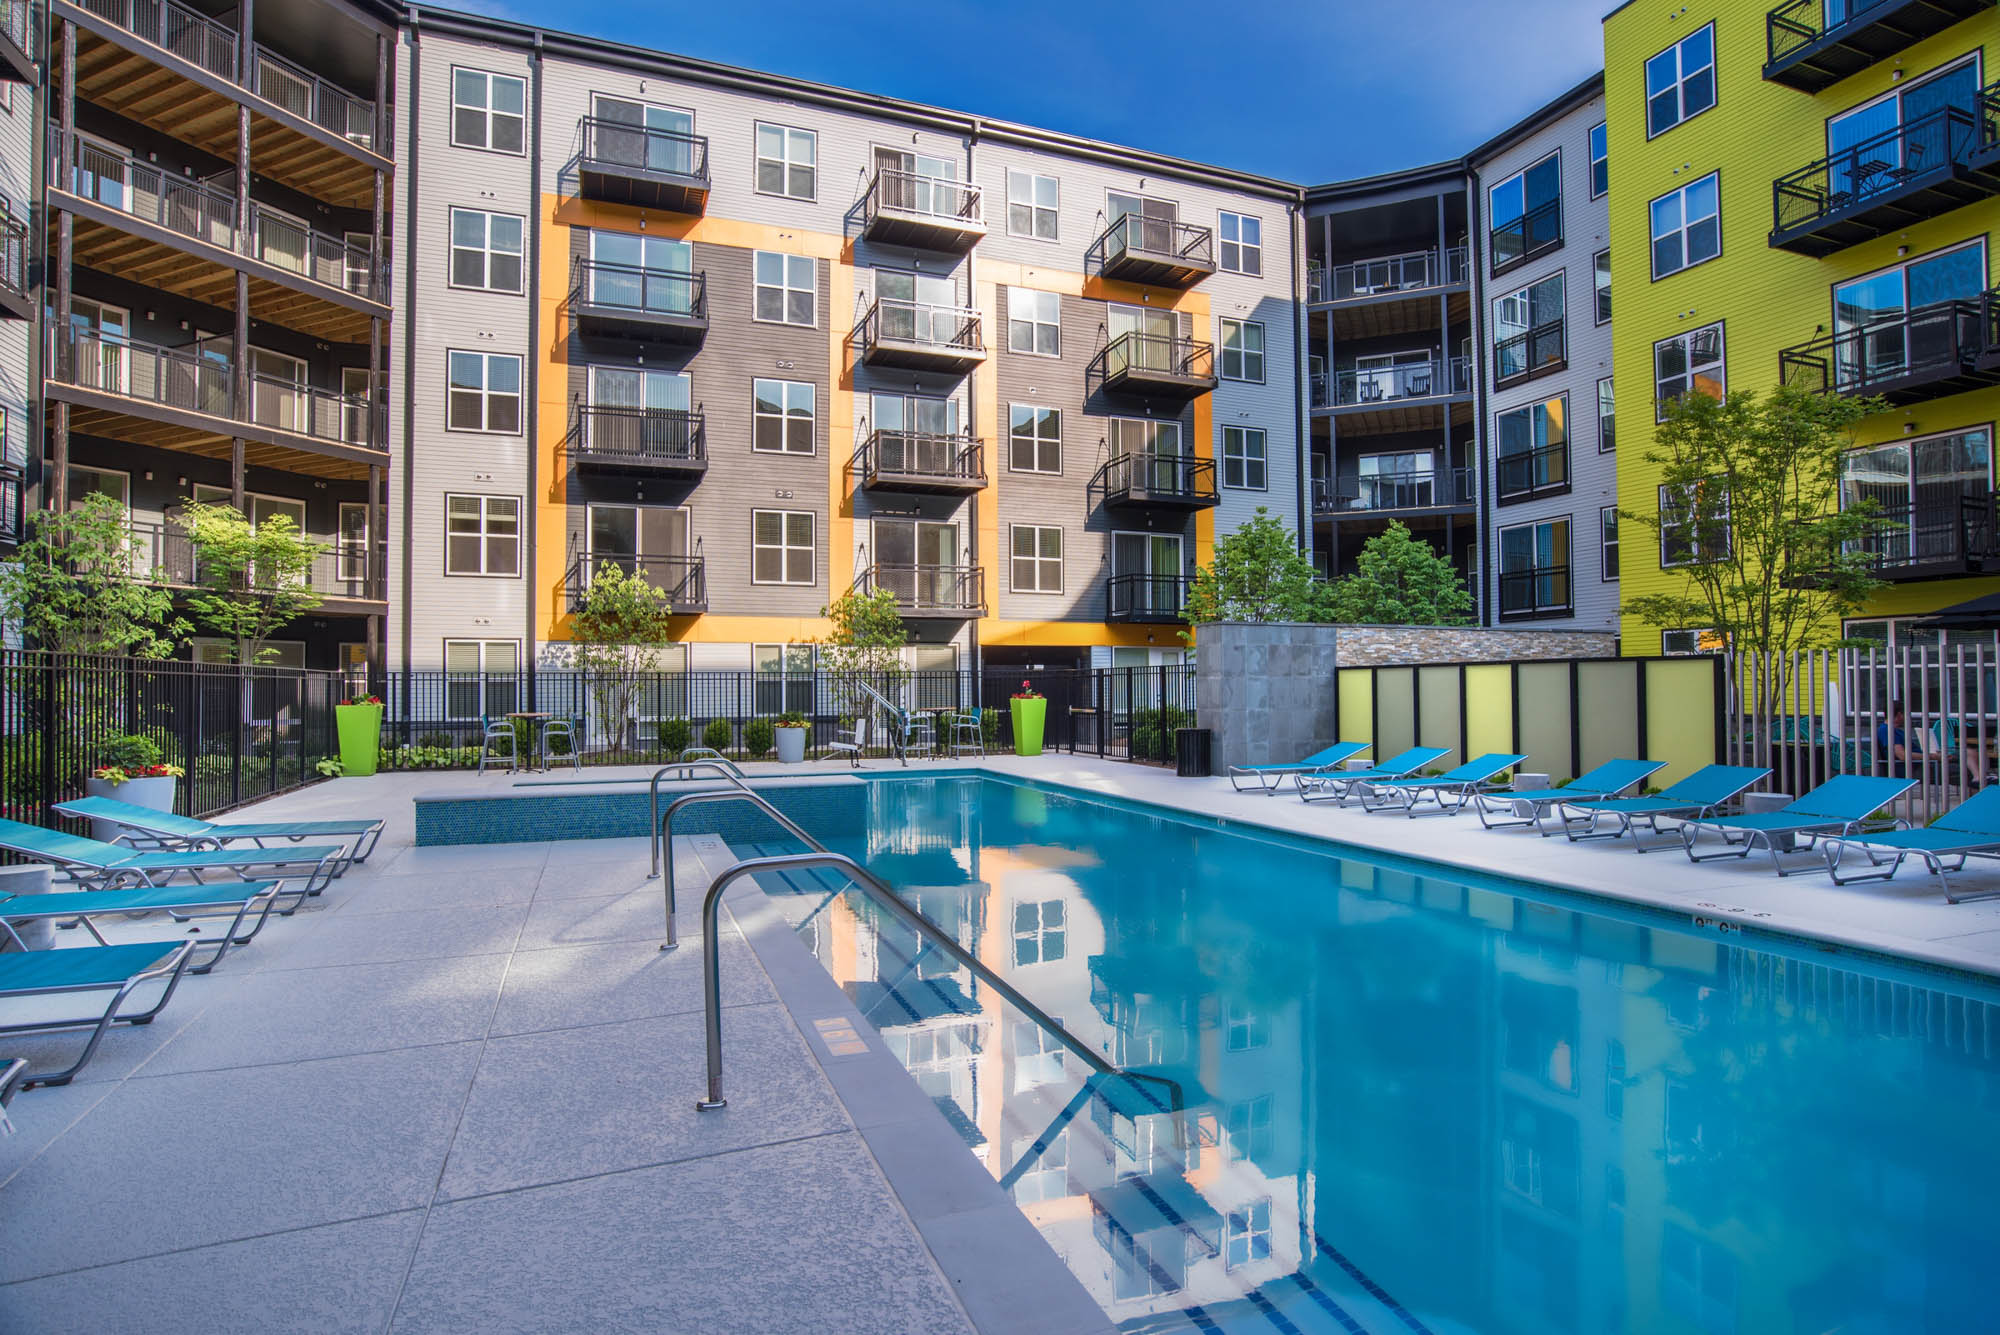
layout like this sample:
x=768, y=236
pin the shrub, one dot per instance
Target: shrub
x=129, y=752
x=676, y=735
x=1153, y=731
x=717, y=734
x=329, y=767
x=758, y=736
x=989, y=727
x=440, y=740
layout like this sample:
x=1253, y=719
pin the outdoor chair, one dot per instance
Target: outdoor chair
x=494, y=733
x=81, y=970
x=165, y=830
x=968, y=734
x=912, y=732
x=1527, y=806
x=100, y=866
x=1338, y=785
x=565, y=729
x=850, y=740
x=1834, y=809
x=1969, y=830
x=1699, y=795
x=247, y=900
x=1270, y=778
x=10, y=1081
x=1449, y=792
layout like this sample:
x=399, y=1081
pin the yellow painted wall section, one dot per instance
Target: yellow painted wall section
x=552, y=418
x=986, y=426
x=1356, y=703
x=1489, y=708
x=840, y=377
x=1766, y=299
x=1680, y=717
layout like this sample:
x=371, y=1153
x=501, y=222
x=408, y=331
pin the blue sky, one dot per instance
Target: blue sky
x=1304, y=91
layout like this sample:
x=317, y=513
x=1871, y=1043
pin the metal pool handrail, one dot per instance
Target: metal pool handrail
x=664, y=837
x=712, y=762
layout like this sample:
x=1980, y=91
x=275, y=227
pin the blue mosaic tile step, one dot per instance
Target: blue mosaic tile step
x=823, y=806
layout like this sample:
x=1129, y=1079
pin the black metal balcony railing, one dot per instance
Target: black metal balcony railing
x=1170, y=481
x=641, y=164
x=312, y=98
x=1161, y=250
x=1539, y=591
x=1387, y=384
x=1145, y=598
x=1924, y=353
x=13, y=255
x=1539, y=350
x=17, y=26
x=163, y=553
x=1812, y=44
x=12, y=483
x=1885, y=182
x=921, y=460
x=630, y=287
x=1155, y=363
x=1535, y=232
x=1935, y=537
x=323, y=257
x=927, y=590
x=1415, y=489
x=1386, y=275
x=684, y=579
x=1532, y=472
x=647, y=438
x=175, y=28
x=921, y=335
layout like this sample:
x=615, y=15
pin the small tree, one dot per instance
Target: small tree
x=252, y=580
x=75, y=586
x=865, y=646
x=1257, y=573
x=1399, y=580
x=618, y=627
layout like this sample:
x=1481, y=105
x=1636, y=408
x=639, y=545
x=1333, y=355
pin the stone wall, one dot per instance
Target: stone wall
x=1390, y=646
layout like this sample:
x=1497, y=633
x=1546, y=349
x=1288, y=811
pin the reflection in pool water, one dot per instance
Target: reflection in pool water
x=1416, y=1104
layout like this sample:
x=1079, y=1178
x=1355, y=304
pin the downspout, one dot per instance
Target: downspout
x=406, y=468
x=34, y=272
x=534, y=416
x=1482, y=363
x=1303, y=449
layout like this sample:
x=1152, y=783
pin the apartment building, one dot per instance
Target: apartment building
x=762, y=341
x=1548, y=523
x=21, y=35
x=1809, y=195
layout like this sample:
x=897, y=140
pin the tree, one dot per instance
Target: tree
x=1401, y=581
x=251, y=580
x=1257, y=573
x=865, y=647
x=75, y=586
x=619, y=625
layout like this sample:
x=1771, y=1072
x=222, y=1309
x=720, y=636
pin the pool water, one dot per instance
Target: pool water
x=1416, y=1101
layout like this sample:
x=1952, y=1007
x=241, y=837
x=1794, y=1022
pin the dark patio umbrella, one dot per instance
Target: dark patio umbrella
x=1972, y=614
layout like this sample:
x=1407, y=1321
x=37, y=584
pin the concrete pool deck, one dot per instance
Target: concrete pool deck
x=457, y=1094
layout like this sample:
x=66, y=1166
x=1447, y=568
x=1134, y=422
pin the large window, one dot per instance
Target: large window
x=1243, y=457
x=1242, y=350
x=787, y=161
x=484, y=393
x=670, y=148
x=1901, y=318
x=486, y=250
x=1242, y=241
x=1526, y=212
x=1041, y=934
x=1534, y=569
x=1690, y=362
x=1601, y=270
x=781, y=547
x=1687, y=226
x=782, y=678
x=481, y=678
x=1034, y=438
x=1600, y=161
x=787, y=289
x=1533, y=456
x=1680, y=81
x=1247, y=1235
x=488, y=111
x=1037, y=565
x=1866, y=145
x=1031, y=205
x=1694, y=524
x=1528, y=330
x=782, y=416
x=1034, y=322
x=1607, y=420
x=1607, y=541
x=482, y=535
x=1921, y=487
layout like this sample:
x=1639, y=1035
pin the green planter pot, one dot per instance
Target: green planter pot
x=360, y=737
x=1029, y=715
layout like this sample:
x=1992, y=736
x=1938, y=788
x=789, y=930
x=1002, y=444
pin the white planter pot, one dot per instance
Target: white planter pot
x=153, y=794
x=791, y=745
x=31, y=879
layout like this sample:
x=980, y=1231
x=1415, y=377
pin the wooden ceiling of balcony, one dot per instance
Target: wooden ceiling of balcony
x=186, y=273
x=132, y=85
x=1394, y=420
x=1388, y=318
x=136, y=430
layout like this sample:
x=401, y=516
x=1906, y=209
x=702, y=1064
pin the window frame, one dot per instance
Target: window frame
x=1600, y=266
x=479, y=675
x=1600, y=136
x=486, y=394
x=1696, y=558
x=1034, y=325
x=784, y=289
x=1496, y=267
x=487, y=251
x=784, y=416
x=1721, y=362
x=811, y=550
x=757, y=161
x=1500, y=572
x=1680, y=81
x=484, y=536
x=1528, y=406
x=1607, y=571
x=1038, y=440
x=1244, y=249
x=1262, y=458
x=1037, y=560
x=1243, y=352
x=487, y=110
x=1033, y=208
x=1602, y=435
x=1686, y=224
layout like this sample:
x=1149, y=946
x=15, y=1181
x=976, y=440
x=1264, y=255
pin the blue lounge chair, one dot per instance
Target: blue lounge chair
x=1270, y=778
x=1460, y=784
x=1527, y=806
x=10, y=1080
x=100, y=866
x=249, y=901
x=1338, y=785
x=1700, y=794
x=1835, y=808
x=1969, y=830
x=166, y=831
x=118, y=970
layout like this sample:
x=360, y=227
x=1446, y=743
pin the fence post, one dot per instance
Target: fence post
x=49, y=734
x=236, y=751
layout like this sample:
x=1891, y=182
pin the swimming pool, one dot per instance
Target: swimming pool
x=1417, y=1100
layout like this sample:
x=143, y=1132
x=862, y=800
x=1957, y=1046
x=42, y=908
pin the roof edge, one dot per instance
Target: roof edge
x=1538, y=119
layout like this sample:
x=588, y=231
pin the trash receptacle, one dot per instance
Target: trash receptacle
x=1191, y=753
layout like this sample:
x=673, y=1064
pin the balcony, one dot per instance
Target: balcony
x=1883, y=184
x=916, y=336
x=1813, y=44
x=1409, y=274
x=1171, y=483
x=1159, y=252
x=162, y=553
x=622, y=163
x=636, y=440
x=1539, y=593
x=15, y=301
x=625, y=301
x=1391, y=386
x=313, y=99
x=1151, y=600
x=927, y=592
x=925, y=212
x=922, y=462
x=1159, y=365
x=17, y=45
x=1924, y=354
x=684, y=579
x=1422, y=489
x=1943, y=537
x=1540, y=351
x=1536, y=232
x=12, y=491
x=1527, y=474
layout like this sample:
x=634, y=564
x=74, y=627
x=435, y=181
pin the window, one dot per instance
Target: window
x=1031, y=205
x=782, y=678
x=1679, y=643
x=1034, y=439
x=781, y=547
x=1534, y=582
x=482, y=535
x=1242, y=244
x=1040, y=935
x=1249, y=1125
x=1528, y=331
x=1038, y=1056
x=1602, y=268
x=1922, y=488
x=486, y=250
x=1242, y=350
x=480, y=678
x=782, y=416
x=1698, y=1281
x=1533, y=453
x=484, y=393
x=1034, y=322
x=787, y=289
x=787, y=161
x=1607, y=541
x=1687, y=226
x=1600, y=161
x=1865, y=150
x=1037, y=559
x=1614, y=1104
x=659, y=139
x=1048, y=1178
x=1889, y=323
x=1244, y=1028
x=1607, y=422
x=1690, y=361
x=1526, y=211
x=1247, y=1235
x=488, y=111
x=1680, y=81
x=1243, y=457
x=1694, y=528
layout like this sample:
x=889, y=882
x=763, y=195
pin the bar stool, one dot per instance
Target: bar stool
x=968, y=737
x=492, y=732
x=565, y=729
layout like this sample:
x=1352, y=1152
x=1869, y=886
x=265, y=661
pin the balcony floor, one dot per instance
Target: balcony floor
x=668, y=192
x=909, y=355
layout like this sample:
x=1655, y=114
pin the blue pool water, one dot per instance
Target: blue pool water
x=1417, y=1102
